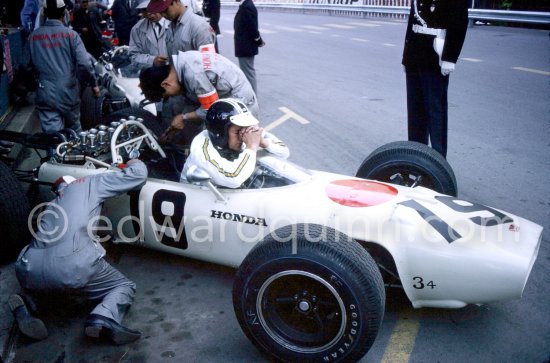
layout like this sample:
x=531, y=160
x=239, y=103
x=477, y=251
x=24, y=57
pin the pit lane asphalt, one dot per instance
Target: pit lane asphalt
x=349, y=84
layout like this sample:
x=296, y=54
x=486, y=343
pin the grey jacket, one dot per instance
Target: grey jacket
x=63, y=254
x=145, y=45
x=56, y=53
x=207, y=76
x=191, y=32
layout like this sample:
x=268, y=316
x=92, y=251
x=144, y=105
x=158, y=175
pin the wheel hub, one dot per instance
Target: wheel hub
x=306, y=304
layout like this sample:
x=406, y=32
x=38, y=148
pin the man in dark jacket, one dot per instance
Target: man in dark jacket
x=211, y=9
x=125, y=15
x=434, y=39
x=247, y=39
x=86, y=23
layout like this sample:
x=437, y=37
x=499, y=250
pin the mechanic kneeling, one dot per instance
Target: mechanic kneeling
x=227, y=148
x=64, y=258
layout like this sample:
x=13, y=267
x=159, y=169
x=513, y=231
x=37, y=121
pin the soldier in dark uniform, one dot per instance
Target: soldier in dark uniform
x=434, y=39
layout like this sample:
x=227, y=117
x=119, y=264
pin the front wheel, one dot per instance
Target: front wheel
x=410, y=164
x=317, y=297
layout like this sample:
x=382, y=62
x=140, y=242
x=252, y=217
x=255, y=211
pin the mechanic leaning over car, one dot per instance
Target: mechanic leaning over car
x=65, y=259
x=56, y=53
x=226, y=150
x=202, y=78
x=188, y=31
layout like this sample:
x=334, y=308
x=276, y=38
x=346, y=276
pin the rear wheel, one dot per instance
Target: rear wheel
x=14, y=213
x=410, y=164
x=318, y=297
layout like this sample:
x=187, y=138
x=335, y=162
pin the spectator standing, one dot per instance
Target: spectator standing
x=247, y=39
x=148, y=39
x=202, y=78
x=125, y=15
x=86, y=21
x=435, y=34
x=29, y=13
x=56, y=53
x=66, y=260
x=211, y=9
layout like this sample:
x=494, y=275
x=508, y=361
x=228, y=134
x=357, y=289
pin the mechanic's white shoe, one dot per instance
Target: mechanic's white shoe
x=31, y=327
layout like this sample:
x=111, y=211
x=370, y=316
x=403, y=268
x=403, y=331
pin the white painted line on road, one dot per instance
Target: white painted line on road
x=289, y=28
x=475, y=60
x=360, y=39
x=288, y=114
x=267, y=31
x=537, y=71
x=385, y=22
x=401, y=343
x=339, y=26
x=313, y=27
x=368, y=25
x=388, y=44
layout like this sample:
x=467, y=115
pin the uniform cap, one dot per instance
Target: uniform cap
x=143, y=5
x=54, y=4
x=158, y=6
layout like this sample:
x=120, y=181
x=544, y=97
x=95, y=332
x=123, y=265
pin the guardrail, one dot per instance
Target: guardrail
x=530, y=17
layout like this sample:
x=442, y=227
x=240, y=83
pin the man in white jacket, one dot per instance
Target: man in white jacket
x=226, y=150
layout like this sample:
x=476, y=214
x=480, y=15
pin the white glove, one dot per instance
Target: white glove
x=447, y=68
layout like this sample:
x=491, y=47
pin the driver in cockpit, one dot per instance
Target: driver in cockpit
x=227, y=148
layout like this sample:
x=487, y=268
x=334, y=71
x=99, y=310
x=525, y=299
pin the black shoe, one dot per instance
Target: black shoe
x=100, y=326
x=31, y=327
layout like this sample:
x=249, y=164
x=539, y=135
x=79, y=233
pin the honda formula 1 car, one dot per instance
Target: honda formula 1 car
x=314, y=250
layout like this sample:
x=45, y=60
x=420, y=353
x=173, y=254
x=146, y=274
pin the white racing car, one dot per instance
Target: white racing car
x=314, y=250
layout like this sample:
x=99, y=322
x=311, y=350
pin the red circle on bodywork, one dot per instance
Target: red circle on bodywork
x=359, y=193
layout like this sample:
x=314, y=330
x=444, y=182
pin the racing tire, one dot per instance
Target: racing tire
x=14, y=213
x=410, y=164
x=149, y=120
x=91, y=108
x=318, y=297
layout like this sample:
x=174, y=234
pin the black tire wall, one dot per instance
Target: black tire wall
x=14, y=213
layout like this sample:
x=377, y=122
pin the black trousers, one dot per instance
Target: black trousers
x=427, y=108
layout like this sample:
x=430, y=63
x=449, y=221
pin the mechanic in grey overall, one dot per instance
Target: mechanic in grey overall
x=190, y=31
x=226, y=150
x=149, y=39
x=65, y=258
x=56, y=53
x=202, y=77
x=433, y=41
